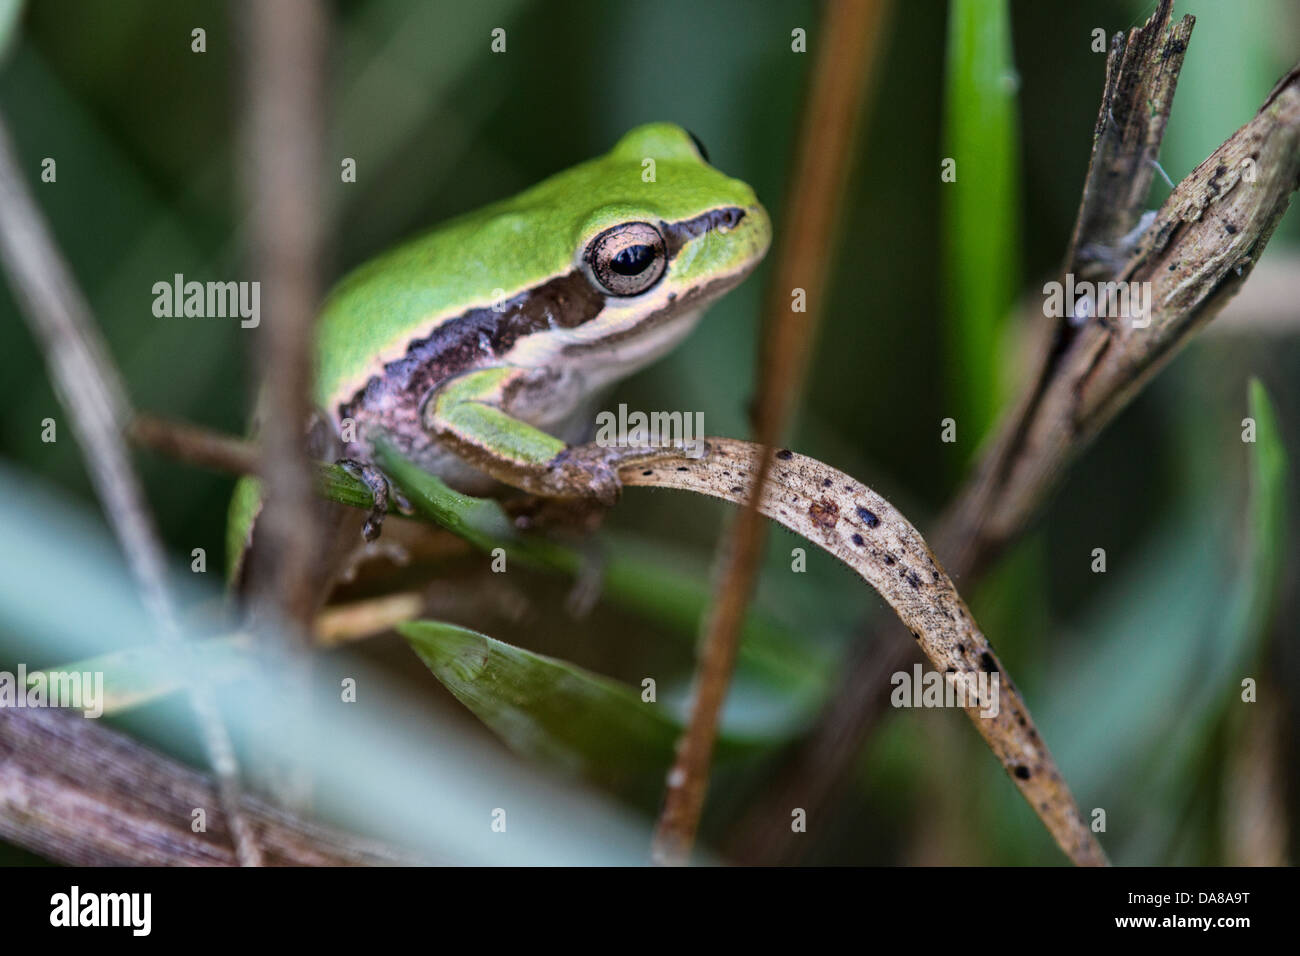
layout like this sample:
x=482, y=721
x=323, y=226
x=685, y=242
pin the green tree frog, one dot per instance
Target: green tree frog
x=478, y=349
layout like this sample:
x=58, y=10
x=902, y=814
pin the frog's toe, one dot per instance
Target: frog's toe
x=377, y=483
x=586, y=472
x=606, y=486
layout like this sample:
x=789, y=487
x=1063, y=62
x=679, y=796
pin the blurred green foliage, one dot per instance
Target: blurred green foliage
x=982, y=209
x=1129, y=672
x=10, y=11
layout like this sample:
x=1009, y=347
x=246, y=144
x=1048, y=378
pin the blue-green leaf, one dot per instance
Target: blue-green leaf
x=11, y=12
x=150, y=672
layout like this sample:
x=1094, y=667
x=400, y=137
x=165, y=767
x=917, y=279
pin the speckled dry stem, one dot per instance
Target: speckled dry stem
x=860, y=528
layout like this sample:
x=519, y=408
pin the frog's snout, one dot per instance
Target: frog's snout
x=752, y=232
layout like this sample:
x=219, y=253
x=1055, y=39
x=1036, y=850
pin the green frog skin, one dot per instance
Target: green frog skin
x=480, y=348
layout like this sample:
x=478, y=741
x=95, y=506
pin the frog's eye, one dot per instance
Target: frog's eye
x=627, y=259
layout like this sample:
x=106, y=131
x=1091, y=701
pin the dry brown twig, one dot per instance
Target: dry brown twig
x=285, y=138
x=195, y=445
x=81, y=794
x=839, y=81
x=1196, y=253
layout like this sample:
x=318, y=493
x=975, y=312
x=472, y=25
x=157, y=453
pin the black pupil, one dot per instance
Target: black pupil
x=632, y=260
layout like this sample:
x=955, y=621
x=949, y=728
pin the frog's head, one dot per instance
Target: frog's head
x=656, y=232
x=603, y=266
x=666, y=218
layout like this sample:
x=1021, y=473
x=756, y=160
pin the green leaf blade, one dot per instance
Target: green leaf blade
x=547, y=709
x=981, y=207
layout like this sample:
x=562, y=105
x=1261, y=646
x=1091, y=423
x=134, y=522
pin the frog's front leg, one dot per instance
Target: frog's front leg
x=467, y=415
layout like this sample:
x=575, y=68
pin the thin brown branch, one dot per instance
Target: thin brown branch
x=285, y=136
x=282, y=575
x=1255, y=819
x=345, y=623
x=76, y=792
x=90, y=388
x=854, y=524
x=846, y=52
x=1141, y=78
x=195, y=445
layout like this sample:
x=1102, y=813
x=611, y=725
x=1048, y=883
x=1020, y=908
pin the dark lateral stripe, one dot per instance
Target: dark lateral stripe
x=677, y=234
x=471, y=339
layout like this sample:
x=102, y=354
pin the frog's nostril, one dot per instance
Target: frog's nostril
x=729, y=218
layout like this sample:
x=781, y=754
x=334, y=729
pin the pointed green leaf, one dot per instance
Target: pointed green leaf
x=552, y=711
x=981, y=206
